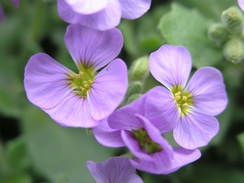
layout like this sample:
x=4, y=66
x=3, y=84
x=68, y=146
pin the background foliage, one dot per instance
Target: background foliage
x=33, y=148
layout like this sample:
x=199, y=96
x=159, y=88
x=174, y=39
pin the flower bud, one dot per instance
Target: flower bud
x=218, y=33
x=139, y=69
x=133, y=97
x=134, y=87
x=234, y=50
x=233, y=19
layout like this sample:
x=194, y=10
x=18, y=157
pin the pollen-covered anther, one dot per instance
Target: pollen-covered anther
x=184, y=98
x=185, y=105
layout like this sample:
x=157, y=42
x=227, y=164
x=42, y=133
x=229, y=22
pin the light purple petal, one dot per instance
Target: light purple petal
x=132, y=9
x=92, y=47
x=241, y=4
x=195, y=130
x=116, y=169
x=87, y=7
x=16, y=3
x=74, y=112
x=161, y=110
x=124, y=118
x=170, y=65
x=108, y=89
x=108, y=136
x=183, y=157
x=134, y=147
x=105, y=19
x=46, y=81
x=208, y=91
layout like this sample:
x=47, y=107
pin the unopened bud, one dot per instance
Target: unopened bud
x=139, y=69
x=218, y=33
x=133, y=97
x=233, y=19
x=134, y=87
x=234, y=50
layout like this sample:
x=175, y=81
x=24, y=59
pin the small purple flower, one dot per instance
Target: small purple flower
x=16, y=3
x=2, y=16
x=189, y=108
x=134, y=126
x=86, y=98
x=113, y=170
x=101, y=15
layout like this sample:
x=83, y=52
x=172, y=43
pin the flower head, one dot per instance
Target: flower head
x=81, y=99
x=136, y=128
x=193, y=105
x=116, y=169
x=101, y=15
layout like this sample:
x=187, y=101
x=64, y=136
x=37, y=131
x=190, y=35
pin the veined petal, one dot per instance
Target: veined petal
x=208, y=89
x=108, y=89
x=116, y=169
x=124, y=118
x=161, y=110
x=73, y=111
x=183, y=157
x=241, y=4
x=171, y=65
x=46, y=81
x=105, y=19
x=92, y=48
x=132, y=9
x=87, y=7
x=108, y=136
x=195, y=130
x=134, y=147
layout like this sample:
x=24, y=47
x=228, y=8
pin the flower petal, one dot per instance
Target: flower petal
x=115, y=169
x=105, y=19
x=16, y=3
x=46, y=81
x=171, y=65
x=195, y=130
x=183, y=157
x=92, y=47
x=208, y=91
x=134, y=147
x=108, y=136
x=241, y=4
x=73, y=111
x=161, y=110
x=108, y=89
x=2, y=15
x=87, y=7
x=124, y=118
x=134, y=9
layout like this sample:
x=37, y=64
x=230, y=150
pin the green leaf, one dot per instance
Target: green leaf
x=188, y=28
x=210, y=8
x=17, y=155
x=59, y=151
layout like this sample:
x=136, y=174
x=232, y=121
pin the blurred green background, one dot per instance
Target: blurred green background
x=33, y=148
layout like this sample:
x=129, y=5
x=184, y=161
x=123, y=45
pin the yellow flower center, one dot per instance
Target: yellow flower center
x=81, y=83
x=183, y=99
x=145, y=142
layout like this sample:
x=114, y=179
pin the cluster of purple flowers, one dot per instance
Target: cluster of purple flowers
x=90, y=98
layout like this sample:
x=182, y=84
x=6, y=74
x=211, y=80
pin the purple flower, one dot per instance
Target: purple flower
x=241, y=4
x=113, y=170
x=136, y=128
x=2, y=16
x=16, y=3
x=86, y=98
x=189, y=108
x=101, y=15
